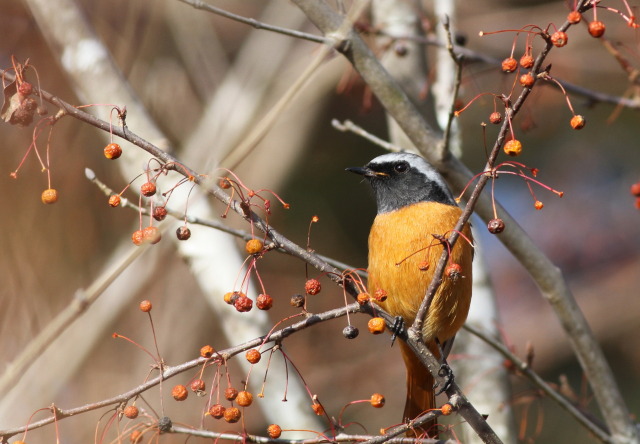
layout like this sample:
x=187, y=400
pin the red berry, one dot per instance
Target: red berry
x=131, y=411
x=25, y=89
x=513, y=147
x=538, y=205
x=151, y=234
x=312, y=287
x=114, y=200
x=243, y=304
x=454, y=271
x=574, y=17
x=148, y=189
x=264, y=302
x=509, y=64
x=198, y=386
x=635, y=189
x=526, y=61
x=559, y=39
x=380, y=295
x=496, y=226
x=183, y=233
x=253, y=356
x=232, y=415
x=137, y=237
x=377, y=400
x=224, y=183
x=274, y=431
x=230, y=393
x=159, y=213
x=578, y=122
x=145, y=306
x=217, y=411
x=495, y=117
x=112, y=151
x=596, y=28
x=527, y=80
x=49, y=196
x=179, y=392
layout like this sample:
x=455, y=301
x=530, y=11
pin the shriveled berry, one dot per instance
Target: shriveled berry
x=243, y=304
x=574, y=17
x=446, y=409
x=495, y=118
x=380, y=295
x=217, y=411
x=264, y=302
x=151, y=234
x=244, y=398
x=297, y=300
x=635, y=189
x=145, y=306
x=112, y=151
x=274, y=431
x=164, y=424
x=513, y=147
x=253, y=356
x=224, y=183
x=207, y=351
x=312, y=287
x=578, y=122
x=596, y=28
x=559, y=39
x=526, y=61
x=230, y=393
x=131, y=411
x=538, y=205
x=254, y=246
x=509, y=64
x=137, y=237
x=424, y=266
x=363, y=298
x=25, y=89
x=198, y=386
x=377, y=400
x=350, y=332
x=135, y=437
x=376, y=325
x=183, y=233
x=496, y=226
x=527, y=80
x=160, y=213
x=49, y=196
x=148, y=189
x=114, y=200
x=317, y=409
x=232, y=415
x=179, y=392
x=454, y=271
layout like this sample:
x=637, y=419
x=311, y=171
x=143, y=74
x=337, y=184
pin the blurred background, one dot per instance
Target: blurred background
x=179, y=61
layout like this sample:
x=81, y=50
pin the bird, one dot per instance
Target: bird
x=416, y=211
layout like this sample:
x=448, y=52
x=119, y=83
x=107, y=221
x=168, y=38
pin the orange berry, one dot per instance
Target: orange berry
x=232, y=415
x=527, y=80
x=253, y=356
x=131, y=411
x=217, y=411
x=495, y=118
x=446, y=409
x=318, y=409
x=538, y=205
x=206, y=351
x=376, y=325
x=49, y=196
x=424, y=266
x=264, y=302
x=151, y=234
x=377, y=400
x=513, y=147
x=145, y=306
x=112, y=151
x=148, y=189
x=114, y=200
x=254, y=246
x=454, y=271
x=526, y=61
x=380, y=295
x=312, y=287
x=509, y=64
x=137, y=237
x=274, y=431
x=244, y=398
x=231, y=297
x=179, y=392
x=224, y=183
x=230, y=393
x=635, y=189
x=574, y=17
x=135, y=437
x=578, y=122
x=596, y=28
x=363, y=298
x=198, y=386
x=559, y=39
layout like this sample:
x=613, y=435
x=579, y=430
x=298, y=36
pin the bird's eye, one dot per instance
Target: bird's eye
x=401, y=167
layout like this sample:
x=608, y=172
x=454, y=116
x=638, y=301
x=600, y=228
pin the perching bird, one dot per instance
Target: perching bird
x=415, y=207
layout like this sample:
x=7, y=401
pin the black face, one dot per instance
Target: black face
x=401, y=179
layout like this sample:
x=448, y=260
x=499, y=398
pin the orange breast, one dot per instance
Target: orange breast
x=399, y=247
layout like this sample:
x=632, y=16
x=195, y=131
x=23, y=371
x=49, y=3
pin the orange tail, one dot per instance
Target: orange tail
x=420, y=394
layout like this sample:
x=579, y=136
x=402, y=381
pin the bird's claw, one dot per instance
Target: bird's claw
x=446, y=373
x=396, y=328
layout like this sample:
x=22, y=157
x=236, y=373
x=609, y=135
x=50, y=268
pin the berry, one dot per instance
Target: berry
x=244, y=399
x=253, y=356
x=559, y=39
x=114, y=200
x=578, y=122
x=318, y=409
x=513, y=147
x=527, y=80
x=135, y=437
x=274, y=431
x=230, y=393
x=376, y=325
x=206, y=351
x=526, y=61
x=217, y=411
x=25, y=89
x=254, y=246
x=350, y=332
x=131, y=411
x=159, y=213
x=137, y=237
x=183, y=233
x=145, y=306
x=446, y=409
x=380, y=295
x=424, y=266
x=312, y=287
x=49, y=196
x=264, y=302
x=148, y=189
x=112, y=151
x=198, y=386
x=574, y=17
x=495, y=226
x=363, y=298
x=495, y=118
x=538, y=205
x=243, y=304
x=224, y=183
x=164, y=424
x=179, y=392
x=509, y=64
x=377, y=400
x=635, y=189
x=454, y=271
x=297, y=300
x=230, y=298
x=232, y=415
x=596, y=28
x=151, y=234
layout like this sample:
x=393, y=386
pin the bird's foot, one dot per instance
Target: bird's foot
x=446, y=373
x=397, y=328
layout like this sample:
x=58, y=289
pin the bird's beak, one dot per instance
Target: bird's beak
x=365, y=171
